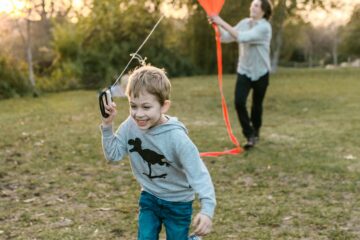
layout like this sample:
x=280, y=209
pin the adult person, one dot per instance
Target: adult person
x=253, y=34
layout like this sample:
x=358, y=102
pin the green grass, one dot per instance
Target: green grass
x=301, y=182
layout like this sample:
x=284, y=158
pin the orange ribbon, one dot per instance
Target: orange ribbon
x=233, y=139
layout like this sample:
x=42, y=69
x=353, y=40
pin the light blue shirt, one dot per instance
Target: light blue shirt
x=254, y=46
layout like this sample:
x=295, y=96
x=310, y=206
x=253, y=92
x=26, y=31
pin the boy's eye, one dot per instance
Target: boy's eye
x=132, y=106
x=147, y=107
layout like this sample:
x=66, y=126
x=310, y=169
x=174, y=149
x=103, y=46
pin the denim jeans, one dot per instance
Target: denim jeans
x=176, y=217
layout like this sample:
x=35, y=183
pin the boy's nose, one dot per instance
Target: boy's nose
x=139, y=114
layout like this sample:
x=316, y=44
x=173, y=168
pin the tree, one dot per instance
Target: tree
x=99, y=44
x=292, y=52
x=11, y=78
x=199, y=37
x=284, y=11
x=34, y=27
x=27, y=41
x=350, y=44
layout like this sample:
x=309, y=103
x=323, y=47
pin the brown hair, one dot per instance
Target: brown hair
x=266, y=6
x=151, y=79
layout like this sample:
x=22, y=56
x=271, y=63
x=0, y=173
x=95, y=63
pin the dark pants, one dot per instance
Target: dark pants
x=250, y=125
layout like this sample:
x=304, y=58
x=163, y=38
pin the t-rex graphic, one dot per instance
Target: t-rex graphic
x=149, y=156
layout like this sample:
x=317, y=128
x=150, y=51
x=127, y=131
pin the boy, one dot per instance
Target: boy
x=164, y=160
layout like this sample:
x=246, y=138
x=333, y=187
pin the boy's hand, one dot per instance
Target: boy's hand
x=111, y=110
x=203, y=224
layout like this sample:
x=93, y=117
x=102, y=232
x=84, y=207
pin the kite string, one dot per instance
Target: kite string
x=135, y=55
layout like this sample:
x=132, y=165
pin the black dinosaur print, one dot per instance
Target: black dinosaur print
x=148, y=156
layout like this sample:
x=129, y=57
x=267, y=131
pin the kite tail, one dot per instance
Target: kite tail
x=233, y=139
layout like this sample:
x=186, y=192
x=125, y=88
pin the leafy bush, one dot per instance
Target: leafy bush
x=12, y=79
x=64, y=77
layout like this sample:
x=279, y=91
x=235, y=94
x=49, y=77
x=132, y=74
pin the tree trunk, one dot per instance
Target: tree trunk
x=278, y=21
x=29, y=58
x=334, y=51
x=310, y=59
x=277, y=48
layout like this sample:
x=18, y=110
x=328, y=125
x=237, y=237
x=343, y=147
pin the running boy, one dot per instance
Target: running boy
x=164, y=160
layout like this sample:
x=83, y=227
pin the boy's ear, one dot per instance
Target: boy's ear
x=165, y=107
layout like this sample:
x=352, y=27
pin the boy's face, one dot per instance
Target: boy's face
x=147, y=111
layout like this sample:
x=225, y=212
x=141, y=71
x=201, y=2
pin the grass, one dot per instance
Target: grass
x=301, y=182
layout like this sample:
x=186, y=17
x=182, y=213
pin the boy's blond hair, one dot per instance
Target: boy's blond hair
x=151, y=79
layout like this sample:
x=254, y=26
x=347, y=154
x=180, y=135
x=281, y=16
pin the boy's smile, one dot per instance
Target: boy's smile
x=147, y=111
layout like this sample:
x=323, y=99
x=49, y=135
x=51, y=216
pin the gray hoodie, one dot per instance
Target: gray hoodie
x=164, y=161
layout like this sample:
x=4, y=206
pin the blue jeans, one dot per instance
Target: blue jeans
x=176, y=217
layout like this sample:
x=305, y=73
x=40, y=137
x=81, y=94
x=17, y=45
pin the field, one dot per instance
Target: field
x=302, y=181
